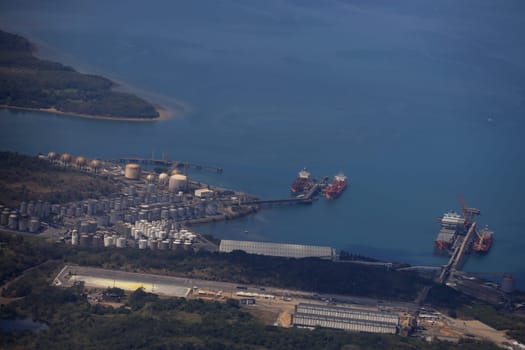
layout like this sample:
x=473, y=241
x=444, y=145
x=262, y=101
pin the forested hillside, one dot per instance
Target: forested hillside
x=29, y=82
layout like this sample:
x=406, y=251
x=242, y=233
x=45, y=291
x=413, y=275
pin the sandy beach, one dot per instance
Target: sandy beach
x=164, y=114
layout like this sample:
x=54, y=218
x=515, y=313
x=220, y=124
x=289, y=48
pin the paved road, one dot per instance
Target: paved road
x=173, y=286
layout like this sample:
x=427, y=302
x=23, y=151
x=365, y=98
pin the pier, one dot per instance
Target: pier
x=457, y=255
x=280, y=201
x=307, y=198
x=168, y=163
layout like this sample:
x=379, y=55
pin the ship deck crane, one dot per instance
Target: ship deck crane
x=468, y=213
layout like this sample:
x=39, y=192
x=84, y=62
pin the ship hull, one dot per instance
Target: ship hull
x=482, y=247
x=335, y=189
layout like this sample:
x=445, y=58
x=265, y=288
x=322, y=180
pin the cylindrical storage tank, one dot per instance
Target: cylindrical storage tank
x=74, y=237
x=152, y=244
x=84, y=227
x=150, y=178
x=52, y=156
x=177, y=183
x=4, y=218
x=507, y=284
x=34, y=225
x=23, y=208
x=132, y=171
x=164, y=245
x=95, y=164
x=98, y=241
x=150, y=189
x=84, y=240
x=121, y=242
x=108, y=241
x=12, y=222
x=66, y=158
x=80, y=162
x=23, y=223
x=31, y=208
x=163, y=178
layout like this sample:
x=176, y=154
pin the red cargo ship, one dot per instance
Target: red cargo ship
x=482, y=241
x=302, y=183
x=337, y=186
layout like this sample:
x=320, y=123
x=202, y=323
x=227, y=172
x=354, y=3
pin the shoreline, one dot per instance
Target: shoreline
x=164, y=114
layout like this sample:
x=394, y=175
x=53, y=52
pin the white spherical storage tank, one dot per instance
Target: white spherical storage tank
x=163, y=178
x=177, y=182
x=132, y=171
x=151, y=178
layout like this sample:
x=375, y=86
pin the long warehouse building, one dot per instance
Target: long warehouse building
x=278, y=249
x=309, y=315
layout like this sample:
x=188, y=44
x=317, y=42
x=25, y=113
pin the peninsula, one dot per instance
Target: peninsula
x=27, y=82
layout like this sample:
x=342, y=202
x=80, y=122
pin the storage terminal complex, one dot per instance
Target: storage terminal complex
x=153, y=211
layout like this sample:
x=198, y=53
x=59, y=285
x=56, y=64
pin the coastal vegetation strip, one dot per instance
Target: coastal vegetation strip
x=29, y=82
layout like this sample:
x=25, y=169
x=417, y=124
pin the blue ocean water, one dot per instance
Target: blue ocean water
x=415, y=102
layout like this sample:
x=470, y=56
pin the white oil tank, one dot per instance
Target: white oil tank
x=132, y=171
x=108, y=241
x=121, y=242
x=74, y=237
x=80, y=162
x=95, y=165
x=178, y=182
x=163, y=178
x=52, y=156
x=66, y=158
x=143, y=243
x=150, y=178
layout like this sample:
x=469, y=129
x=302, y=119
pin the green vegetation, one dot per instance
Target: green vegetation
x=306, y=274
x=465, y=307
x=149, y=322
x=26, y=81
x=25, y=178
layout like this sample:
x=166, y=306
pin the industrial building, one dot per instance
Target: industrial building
x=311, y=316
x=278, y=249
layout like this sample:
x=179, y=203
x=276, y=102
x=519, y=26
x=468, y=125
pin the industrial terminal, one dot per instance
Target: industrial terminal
x=156, y=210
x=149, y=210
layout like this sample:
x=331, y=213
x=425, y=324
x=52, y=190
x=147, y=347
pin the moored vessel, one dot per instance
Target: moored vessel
x=337, y=186
x=302, y=183
x=452, y=224
x=483, y=240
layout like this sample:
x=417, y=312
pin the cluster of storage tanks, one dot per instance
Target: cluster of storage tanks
x=153, y=235
x=176, y=182
x=97, y=240
x=162, y=233
x=26, y=218
x=79, y=162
